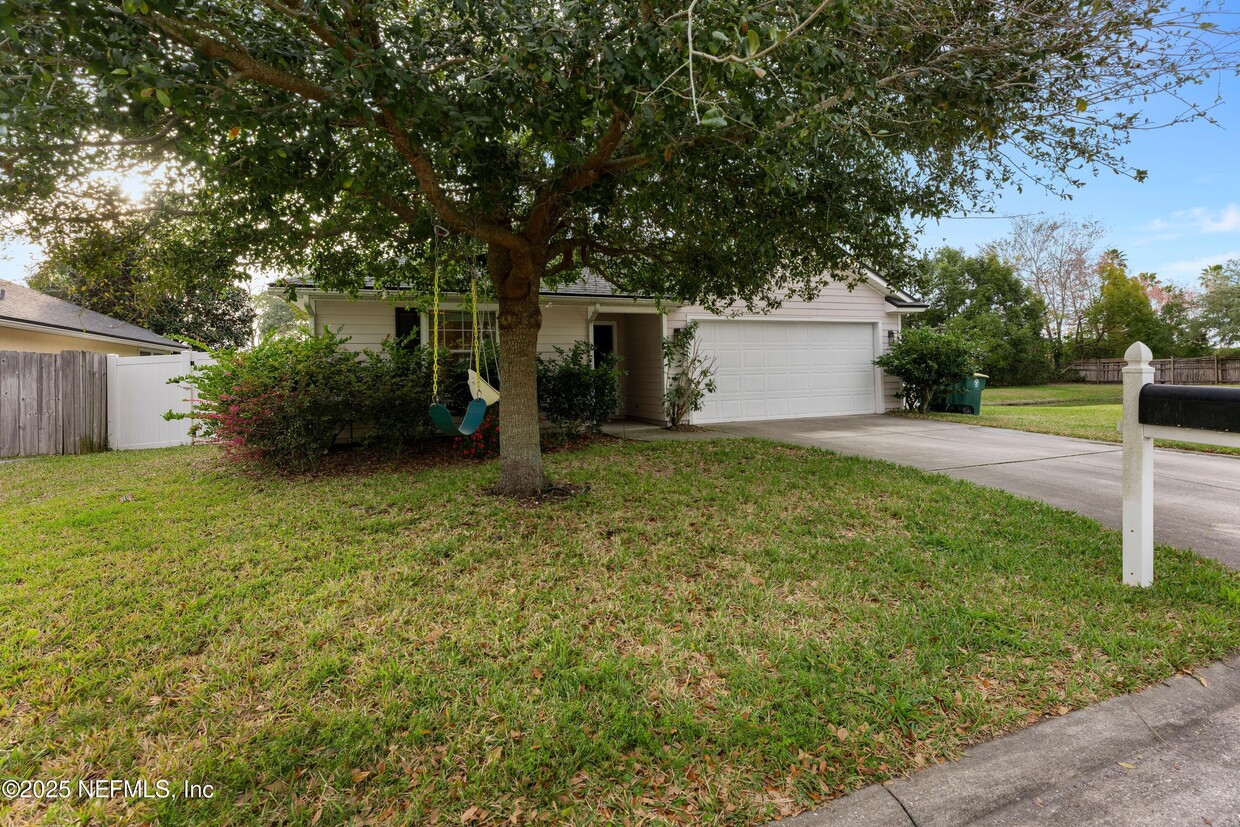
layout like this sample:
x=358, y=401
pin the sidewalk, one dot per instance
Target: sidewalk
x=1168, y=755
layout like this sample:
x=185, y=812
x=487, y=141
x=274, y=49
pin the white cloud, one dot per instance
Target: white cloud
x=1187, y=271
x=1227, y=222
x=1199, y=220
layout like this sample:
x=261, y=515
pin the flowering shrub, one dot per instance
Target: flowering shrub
x=281, y=403
x=484, y=442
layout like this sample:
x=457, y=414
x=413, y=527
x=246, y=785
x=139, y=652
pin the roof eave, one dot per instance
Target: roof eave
x=61, y=330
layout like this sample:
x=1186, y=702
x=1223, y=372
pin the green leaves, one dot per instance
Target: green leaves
x=745, y=178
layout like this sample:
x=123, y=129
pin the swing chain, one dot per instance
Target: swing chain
x=435, y=315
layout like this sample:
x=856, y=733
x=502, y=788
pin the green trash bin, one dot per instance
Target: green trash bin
x=966, y=397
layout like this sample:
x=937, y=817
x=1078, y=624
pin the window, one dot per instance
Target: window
x=456, y=328
x=409, y=320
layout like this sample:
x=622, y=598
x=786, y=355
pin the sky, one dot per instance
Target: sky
x=1183, y=217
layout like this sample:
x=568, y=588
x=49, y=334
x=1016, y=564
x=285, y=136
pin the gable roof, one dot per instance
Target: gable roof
x=592, y=285
x=25, y=306
x=588, y=284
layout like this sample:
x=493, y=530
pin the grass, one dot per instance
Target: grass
x=717, y=632
x=1069, y=394
x=1077, y=410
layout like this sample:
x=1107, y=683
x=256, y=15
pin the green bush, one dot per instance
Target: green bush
x=574, y=395
x=282, y=403
x=929, y=362
x=395, y=393
x=690, y=374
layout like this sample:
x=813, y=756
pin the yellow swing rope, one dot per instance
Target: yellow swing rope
x=435, y=324
x=473, y=287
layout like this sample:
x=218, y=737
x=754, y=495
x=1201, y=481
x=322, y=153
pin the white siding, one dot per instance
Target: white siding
x=366, y=322
x=562, y=324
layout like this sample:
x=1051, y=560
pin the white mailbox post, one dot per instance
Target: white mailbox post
x=1138, y=472
x=1189, y=413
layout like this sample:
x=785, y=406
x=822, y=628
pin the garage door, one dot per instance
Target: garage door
x=783, y=370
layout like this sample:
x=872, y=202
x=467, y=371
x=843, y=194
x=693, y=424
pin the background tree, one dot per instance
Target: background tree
x=1177, y=308
x=982, y=298
x=1122, y=313
x=1219, y=316
x=275, y=316
x=1055, y=257
x=700, y=152
x=157, y=277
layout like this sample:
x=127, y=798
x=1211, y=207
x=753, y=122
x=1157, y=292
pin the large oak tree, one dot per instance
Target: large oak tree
x=698, y=151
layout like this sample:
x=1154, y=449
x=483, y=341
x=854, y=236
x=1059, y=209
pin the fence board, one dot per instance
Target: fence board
x=98, y=385
x=10, y=404
x=70, y=400
x=49, y=393
x=28, y=376
x=51, y=403
x=1204, y=370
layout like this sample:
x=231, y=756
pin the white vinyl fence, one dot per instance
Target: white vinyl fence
x=139, y=394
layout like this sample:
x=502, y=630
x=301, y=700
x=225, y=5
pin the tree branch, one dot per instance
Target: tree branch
x=428, y=181
x=185, y=34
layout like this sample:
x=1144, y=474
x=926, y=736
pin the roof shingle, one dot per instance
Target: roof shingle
x=22, y=304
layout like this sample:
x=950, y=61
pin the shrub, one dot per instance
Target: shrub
x=690, y=375
x=574, y=395
x=395, y=392
x=929, y=362
x=282, y=402
x=484, y=442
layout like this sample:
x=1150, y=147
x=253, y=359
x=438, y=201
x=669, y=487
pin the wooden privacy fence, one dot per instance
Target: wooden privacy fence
x=52, y=403
x=1202, y=370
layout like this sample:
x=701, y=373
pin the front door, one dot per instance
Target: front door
x=604, y=340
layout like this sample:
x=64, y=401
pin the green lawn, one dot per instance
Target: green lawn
x=1086, y=411
x=717, y=632
x=1068, y=394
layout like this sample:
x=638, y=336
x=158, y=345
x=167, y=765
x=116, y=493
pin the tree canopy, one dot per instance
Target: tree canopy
x=1219, y=317
x=275, y=316
x=704, y=152
x=158, y=278
x=982, y=298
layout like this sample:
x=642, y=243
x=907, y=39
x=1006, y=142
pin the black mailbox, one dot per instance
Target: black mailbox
x=1190, y=406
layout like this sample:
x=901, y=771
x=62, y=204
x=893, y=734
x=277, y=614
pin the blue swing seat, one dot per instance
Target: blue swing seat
x=474, y=415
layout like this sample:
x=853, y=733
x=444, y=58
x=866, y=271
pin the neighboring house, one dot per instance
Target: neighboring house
x=803, y=359
x=36, y=322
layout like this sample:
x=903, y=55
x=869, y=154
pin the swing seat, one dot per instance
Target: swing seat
x=474, y=415
x=482, y=389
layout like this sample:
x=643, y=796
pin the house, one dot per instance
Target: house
x=804, y=359
x=35, y=322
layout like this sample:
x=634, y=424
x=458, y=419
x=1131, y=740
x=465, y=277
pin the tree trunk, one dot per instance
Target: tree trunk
x=520, y=452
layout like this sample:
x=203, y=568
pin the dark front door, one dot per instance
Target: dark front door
x=604, y=341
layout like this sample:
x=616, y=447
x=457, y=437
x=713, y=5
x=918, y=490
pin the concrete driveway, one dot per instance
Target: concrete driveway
x=1196, y=496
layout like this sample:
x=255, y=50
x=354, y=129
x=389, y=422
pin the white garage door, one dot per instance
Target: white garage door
x=784, y=370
